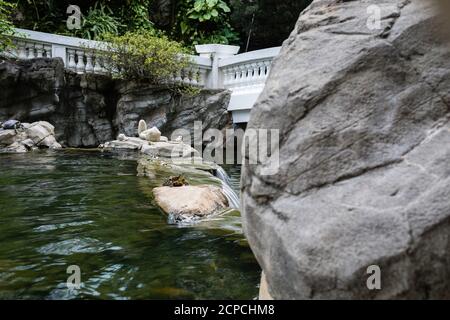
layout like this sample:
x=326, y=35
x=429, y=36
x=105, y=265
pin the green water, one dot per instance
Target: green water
x=89, y=209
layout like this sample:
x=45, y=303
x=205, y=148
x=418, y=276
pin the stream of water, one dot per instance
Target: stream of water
x=89, y=209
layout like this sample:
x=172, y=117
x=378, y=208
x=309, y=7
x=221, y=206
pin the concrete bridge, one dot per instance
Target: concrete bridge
x=215, y=66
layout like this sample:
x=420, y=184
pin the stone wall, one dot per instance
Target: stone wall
x=88, y=110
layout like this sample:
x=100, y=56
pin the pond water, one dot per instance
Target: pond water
x=89, y=209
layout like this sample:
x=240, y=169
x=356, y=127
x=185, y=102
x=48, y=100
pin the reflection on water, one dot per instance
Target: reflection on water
x=89, y=209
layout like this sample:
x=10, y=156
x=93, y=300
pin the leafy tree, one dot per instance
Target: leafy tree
x=204, y=21
x=265, y=23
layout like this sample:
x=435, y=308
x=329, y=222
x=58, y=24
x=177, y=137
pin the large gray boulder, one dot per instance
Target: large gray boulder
x=364, y=175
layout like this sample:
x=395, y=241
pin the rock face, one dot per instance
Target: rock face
x=190, y=202
x=32, y=136
x=364, y=175
x=88, y=110
x=159, y=108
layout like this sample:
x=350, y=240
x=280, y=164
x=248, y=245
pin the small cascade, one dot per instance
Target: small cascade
x=233, y=198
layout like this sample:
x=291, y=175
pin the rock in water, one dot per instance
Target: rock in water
x=142, y=127
x=38, y=131
x=364, y=175
x=190, y=202
x=7, y=137
x=152, y=135
x=28, y=137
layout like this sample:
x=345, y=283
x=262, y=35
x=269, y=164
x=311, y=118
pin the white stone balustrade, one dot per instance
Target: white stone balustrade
x=217, y=66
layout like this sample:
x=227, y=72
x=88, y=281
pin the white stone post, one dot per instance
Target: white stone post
x=59, y=51
x=216, y=52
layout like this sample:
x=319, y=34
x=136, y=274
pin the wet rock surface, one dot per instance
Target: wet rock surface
x=188, y=203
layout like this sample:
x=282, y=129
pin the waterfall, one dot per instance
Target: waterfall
x=233, y=198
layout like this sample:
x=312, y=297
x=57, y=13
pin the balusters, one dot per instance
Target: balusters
x=244, y=75
x=98, y=65
x=243, y=72
x=29, y=47
x=89, y=62
x=255, y=71
x=248, y=74
x=194, y=76
x=22, y=50
x=80, y=68
x=48, y=51
x=268, y=64
x=235, y=76
x=187, y=76
x=39, y=50
x=71, y=64
x=31, y=50
x=262, y=72
x=178, y=77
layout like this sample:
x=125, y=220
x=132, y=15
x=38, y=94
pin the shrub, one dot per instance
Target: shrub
x=142, y=56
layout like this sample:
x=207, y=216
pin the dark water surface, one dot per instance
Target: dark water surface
x=89, y=209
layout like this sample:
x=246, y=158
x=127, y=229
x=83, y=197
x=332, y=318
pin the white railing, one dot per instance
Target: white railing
x=217, y=66
x=248, y=70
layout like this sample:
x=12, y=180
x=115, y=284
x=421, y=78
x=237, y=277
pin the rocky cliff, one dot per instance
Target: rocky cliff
x=88, y=110
x=364, y=175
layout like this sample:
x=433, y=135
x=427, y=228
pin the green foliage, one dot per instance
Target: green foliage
x=253, y=24
x=98, y=21
x=142, y=56
x=137, y=17
x=205, y=21
x=6, y=27
x=42, y=15
x=265, y=23
x=188, y=21
x=205, y=10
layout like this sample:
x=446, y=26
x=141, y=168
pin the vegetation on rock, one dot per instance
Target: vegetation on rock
x=6, y=27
